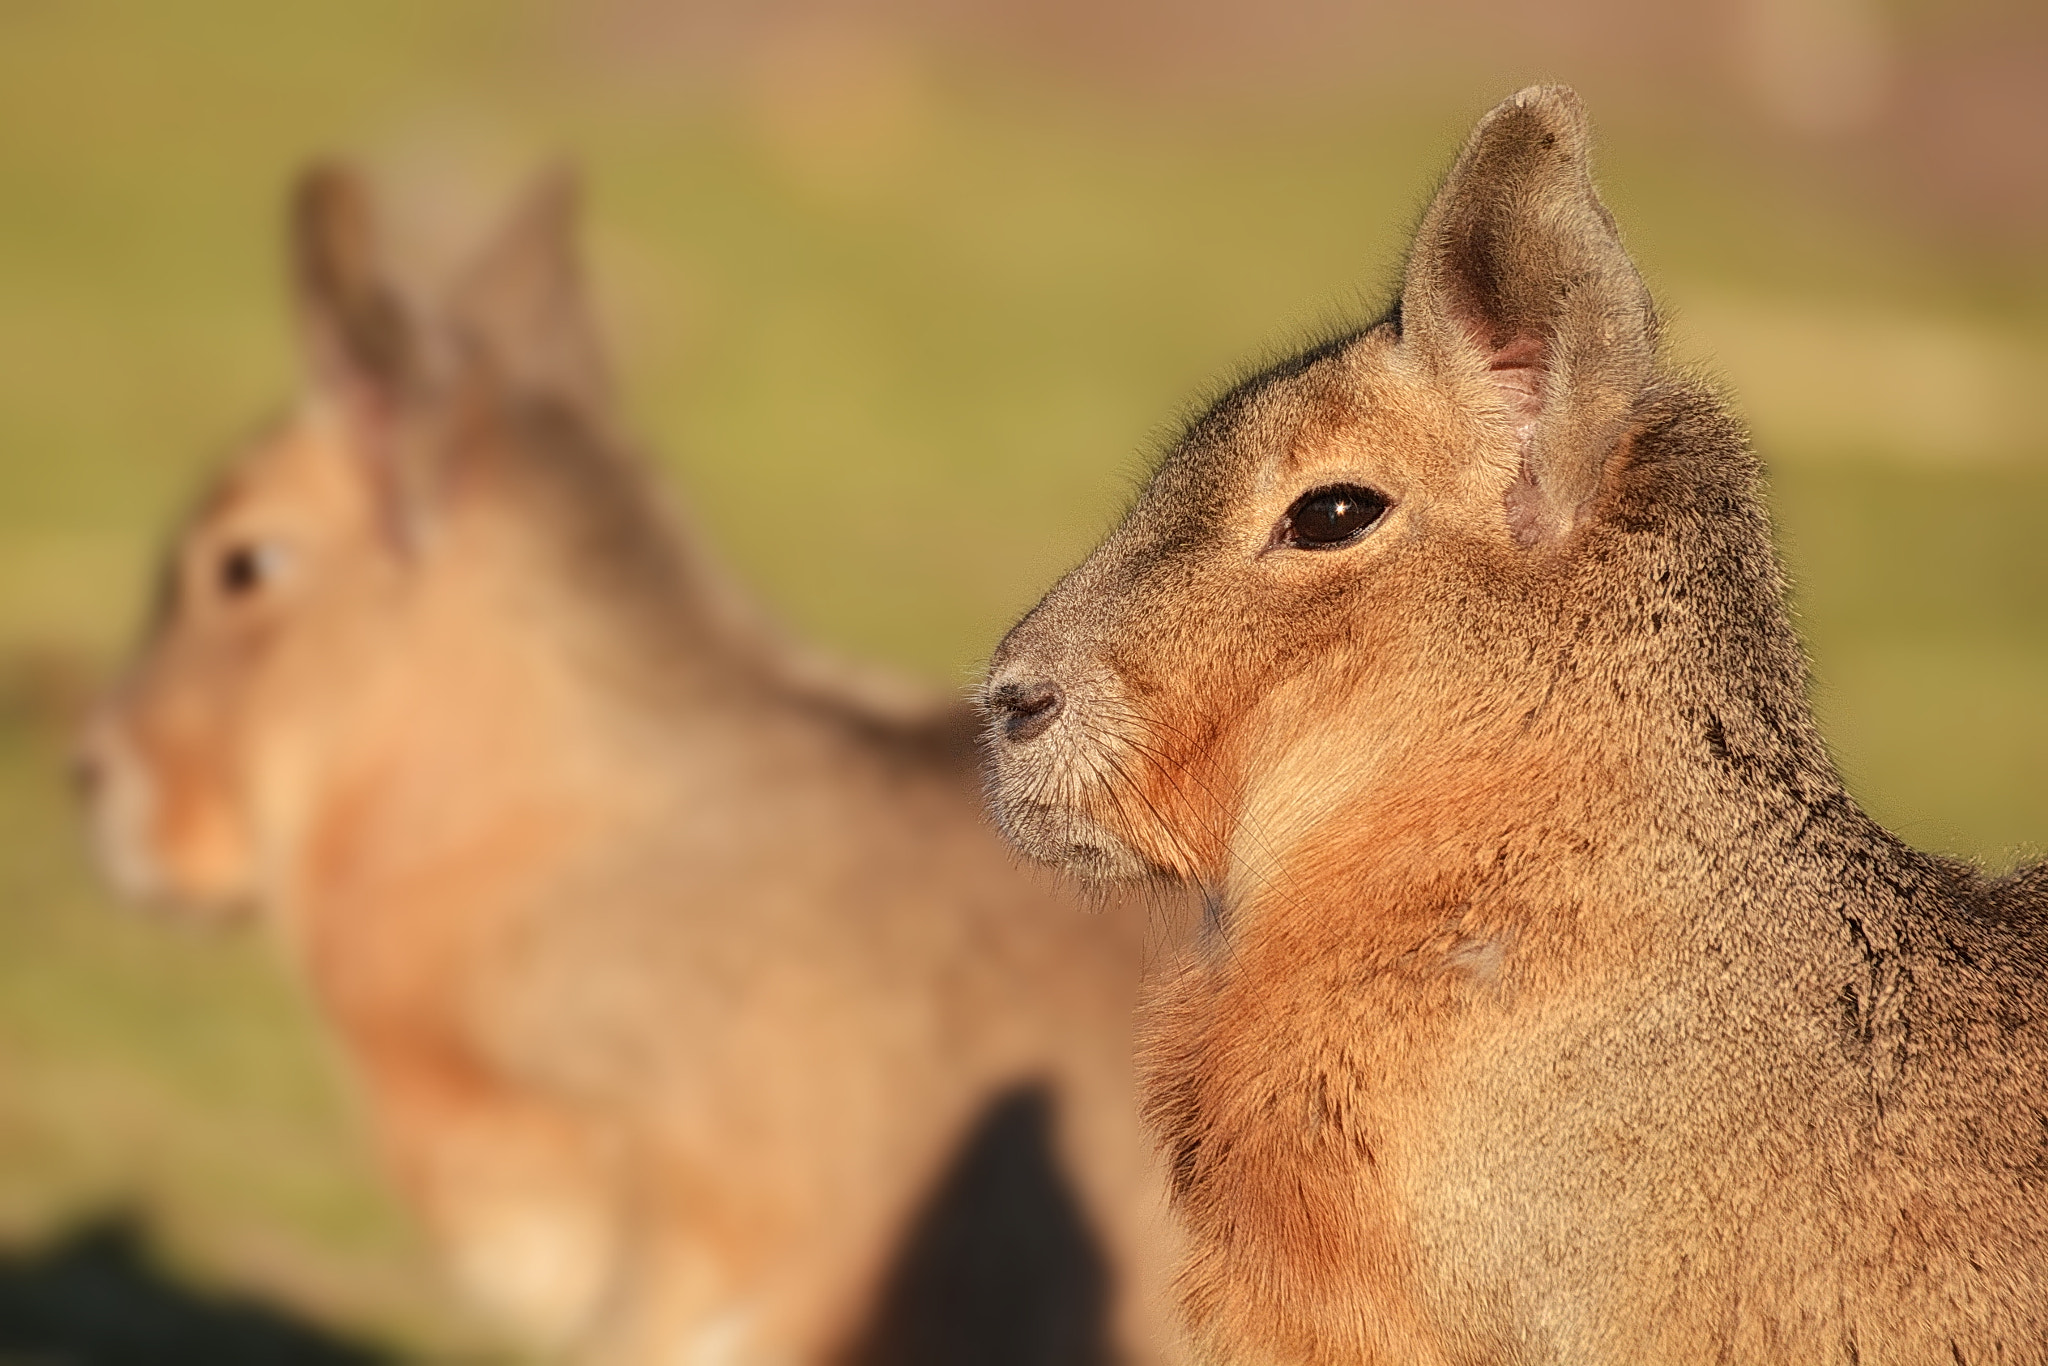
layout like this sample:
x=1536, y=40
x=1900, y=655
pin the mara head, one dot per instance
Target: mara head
x=1373, y=572
x=345, y=563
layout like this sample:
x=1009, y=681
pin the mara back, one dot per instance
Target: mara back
x=700, y=1012
x=1558, y=1004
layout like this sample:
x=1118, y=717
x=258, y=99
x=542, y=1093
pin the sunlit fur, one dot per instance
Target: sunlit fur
x=1560, y=1006
x=674, y=964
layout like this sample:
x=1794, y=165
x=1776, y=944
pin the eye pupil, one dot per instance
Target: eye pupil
x=1331, y=516
x=241, y=570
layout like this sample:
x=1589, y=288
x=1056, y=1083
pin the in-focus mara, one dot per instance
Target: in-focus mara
x=1559, y=1004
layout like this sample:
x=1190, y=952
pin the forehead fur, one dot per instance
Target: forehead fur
x=267, y=465
x=1357, y=402
x=231, y=481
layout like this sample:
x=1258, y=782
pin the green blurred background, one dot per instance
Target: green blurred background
x=903, y=295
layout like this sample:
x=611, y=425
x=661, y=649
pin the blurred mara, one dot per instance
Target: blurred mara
x=697, y=1009
x=1560, y=1005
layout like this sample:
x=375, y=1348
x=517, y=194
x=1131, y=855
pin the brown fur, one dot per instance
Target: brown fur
x=1560, y=1005
x=695, y=1005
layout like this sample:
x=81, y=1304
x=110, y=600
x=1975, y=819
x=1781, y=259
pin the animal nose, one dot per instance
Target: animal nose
x=88, y=771
x=1026, y=710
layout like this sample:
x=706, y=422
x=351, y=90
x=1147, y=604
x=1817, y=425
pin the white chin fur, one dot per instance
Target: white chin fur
x=539, y=1267
x=1071, y=841
x=123, y=810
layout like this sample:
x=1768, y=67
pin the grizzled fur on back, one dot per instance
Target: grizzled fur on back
x=695, y=1007
x=1561, y=1005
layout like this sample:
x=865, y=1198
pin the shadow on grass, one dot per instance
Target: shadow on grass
x=1001, y=1267
x=97, y=1297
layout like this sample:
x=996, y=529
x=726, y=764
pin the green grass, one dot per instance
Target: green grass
x=1924, y=596
x=904, y=359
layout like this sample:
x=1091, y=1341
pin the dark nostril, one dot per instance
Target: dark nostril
x=1027, y=710
x=87, y=773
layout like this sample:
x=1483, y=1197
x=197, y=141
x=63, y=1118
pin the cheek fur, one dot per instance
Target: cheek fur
x=1201, y=722
x=186, y=826
x=1172, y=779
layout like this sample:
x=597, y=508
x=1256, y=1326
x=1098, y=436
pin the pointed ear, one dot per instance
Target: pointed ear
x=360, y=343
x=365, y=353
x=1518, y=273
x=521, y=309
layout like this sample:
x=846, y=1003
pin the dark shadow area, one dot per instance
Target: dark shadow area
x=98, y=1298
x=1000, y=1267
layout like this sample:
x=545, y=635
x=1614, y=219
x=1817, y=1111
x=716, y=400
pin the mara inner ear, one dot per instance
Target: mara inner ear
x=364, y=351
x=521, y=310
x=1518, y=273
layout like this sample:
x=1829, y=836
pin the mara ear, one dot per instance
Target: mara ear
x=1518, y=273
x=360, y=342
x=364, y=351
x=521, y=309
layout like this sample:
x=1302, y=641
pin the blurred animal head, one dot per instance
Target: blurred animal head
x=348, y=561
x=1328, y=584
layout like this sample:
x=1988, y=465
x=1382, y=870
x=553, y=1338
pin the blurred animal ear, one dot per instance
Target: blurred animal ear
x=360, y=343
x=522, y=311
x=364, y=350
x=1518, y=273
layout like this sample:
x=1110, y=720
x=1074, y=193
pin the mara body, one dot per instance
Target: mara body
x=1559, y=1005
x=695, y=1005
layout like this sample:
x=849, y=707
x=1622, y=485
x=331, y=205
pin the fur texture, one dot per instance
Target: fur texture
x=1560, y=1005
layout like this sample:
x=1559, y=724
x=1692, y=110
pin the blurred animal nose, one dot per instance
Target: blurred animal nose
x=88, y=771
x=1026, y=710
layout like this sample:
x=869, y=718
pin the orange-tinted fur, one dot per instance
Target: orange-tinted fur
x=693, y=1001
x=1558, y=1004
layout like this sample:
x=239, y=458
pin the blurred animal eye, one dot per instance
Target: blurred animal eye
x=246, y=567
x=1325, y=518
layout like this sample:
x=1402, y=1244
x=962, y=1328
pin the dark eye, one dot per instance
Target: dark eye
x=1330, y=517
x=245, y=568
